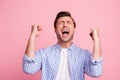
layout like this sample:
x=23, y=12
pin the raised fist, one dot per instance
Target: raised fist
x=94, y=33
x=36, y=30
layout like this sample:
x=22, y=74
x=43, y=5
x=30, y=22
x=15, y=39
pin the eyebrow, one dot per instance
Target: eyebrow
x=67, y=21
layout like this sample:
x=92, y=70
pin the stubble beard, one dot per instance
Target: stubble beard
x=64, y=41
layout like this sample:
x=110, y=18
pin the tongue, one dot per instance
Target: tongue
x=65, y=35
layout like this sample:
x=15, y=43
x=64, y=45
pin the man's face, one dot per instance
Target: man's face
x=65, y=29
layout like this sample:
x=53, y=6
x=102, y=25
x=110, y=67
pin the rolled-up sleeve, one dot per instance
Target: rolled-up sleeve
x=32, y=65
x=93, y=67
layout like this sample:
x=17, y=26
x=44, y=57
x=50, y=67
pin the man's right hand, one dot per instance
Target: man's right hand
x=36, y=30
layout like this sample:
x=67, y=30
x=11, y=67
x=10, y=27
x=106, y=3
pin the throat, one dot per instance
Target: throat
x=65, y=44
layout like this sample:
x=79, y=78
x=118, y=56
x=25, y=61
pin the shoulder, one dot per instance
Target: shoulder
x=82, y=50
x=47, y=49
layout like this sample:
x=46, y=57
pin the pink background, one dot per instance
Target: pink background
x=17, y=16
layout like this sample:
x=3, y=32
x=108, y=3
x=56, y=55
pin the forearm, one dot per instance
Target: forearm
x=30, y=50
x=97, y=51
x=32, y=65
x=93, y=67
x=32, y=59
x=96, y=68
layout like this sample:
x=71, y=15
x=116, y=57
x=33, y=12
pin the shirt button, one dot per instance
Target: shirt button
x=95, y=61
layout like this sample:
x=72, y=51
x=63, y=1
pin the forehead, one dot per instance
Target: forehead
x=66, y=18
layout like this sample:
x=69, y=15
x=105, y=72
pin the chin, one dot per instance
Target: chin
x=66, y=40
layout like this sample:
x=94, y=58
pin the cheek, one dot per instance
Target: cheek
x=58, y=28
x=57, y=31
x=72, y=30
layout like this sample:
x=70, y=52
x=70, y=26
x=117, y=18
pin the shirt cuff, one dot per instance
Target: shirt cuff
x=97, y=61
x=27, y=59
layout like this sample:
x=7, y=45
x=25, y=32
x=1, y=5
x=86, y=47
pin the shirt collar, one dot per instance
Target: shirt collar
x=71, y=48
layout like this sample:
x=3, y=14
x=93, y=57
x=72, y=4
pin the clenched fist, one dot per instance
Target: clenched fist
x=36, y=30
x=94, y=33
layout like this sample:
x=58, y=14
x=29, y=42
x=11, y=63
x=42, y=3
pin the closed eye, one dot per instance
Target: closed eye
x=69, y=22
x=61, y=23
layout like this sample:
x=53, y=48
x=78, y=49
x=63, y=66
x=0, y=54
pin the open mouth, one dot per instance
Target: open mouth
x=65, y=32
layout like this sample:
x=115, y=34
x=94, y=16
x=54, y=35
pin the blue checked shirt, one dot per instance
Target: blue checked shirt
x=48, y=59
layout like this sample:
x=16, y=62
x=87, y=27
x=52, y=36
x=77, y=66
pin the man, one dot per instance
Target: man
x=64, y=60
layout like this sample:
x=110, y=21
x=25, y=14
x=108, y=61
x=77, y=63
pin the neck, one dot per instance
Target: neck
x=65, y=44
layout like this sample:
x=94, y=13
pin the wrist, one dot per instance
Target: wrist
x=32, y=37
x=96, y=38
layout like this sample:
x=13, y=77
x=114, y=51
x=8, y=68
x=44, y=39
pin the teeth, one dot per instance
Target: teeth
x=65, y=30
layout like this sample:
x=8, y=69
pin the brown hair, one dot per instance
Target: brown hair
x=63, y=14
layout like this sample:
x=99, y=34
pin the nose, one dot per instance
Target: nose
x=65, y=24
